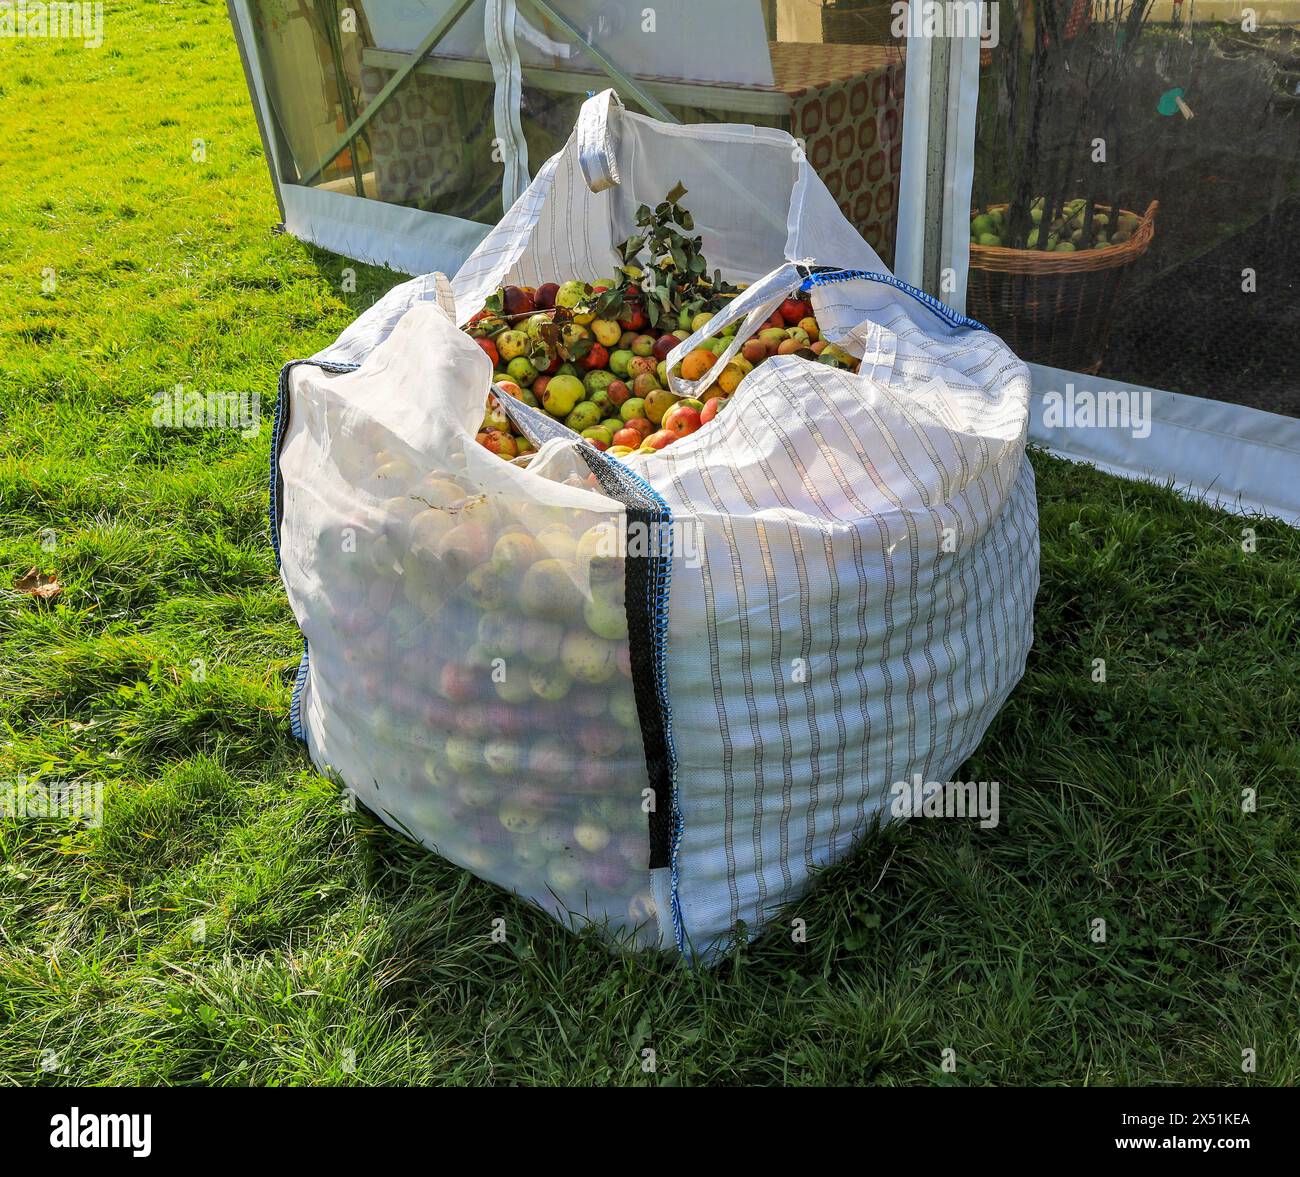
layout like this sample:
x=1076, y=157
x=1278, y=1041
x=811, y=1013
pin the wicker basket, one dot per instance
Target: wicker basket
x=858, y=22
x=1054, y=308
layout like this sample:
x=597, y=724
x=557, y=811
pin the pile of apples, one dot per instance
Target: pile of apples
x=487, y=664
x=607, y=379
x=1067, y=229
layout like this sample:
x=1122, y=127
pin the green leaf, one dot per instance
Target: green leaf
x=677, y=192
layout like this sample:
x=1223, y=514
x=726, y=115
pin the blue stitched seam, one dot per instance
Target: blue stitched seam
x=939, y=308
x=661, y=586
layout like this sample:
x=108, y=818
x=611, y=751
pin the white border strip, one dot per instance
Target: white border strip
x=1237, y=458
x=404, y=239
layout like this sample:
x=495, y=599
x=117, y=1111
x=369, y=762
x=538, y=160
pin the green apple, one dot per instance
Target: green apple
x=551, y=588
x=549, y=683
x=587, y=657
x=490, y=588
x=564, y=874
x=514, y=552
x=583, y=416
x=557, y=540
x=518, y=817
x=606, y=618
x=522, y=371
x=570, y=294
x=504, y=757
x=562, y=394
x=591, y=836
x=597, y=380
x=619, y=360
x=622, y=708
x=511, y=344
x=632, y=407
x=462, y=754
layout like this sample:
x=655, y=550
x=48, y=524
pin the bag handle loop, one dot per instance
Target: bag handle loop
x=597, y=142
x=755, y=304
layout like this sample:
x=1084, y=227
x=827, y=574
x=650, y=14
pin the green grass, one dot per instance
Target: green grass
x=333, y=951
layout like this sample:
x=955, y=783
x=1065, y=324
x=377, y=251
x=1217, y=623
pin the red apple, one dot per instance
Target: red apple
x=754, y=350
x=632, y=317
x=491, y=348
x=545, y=298
x=459, y=684
x=628, y=436
x=794, y=309
x=518, y=300
x=643, y=425
x=682, y=419
x=657, y=441
x=539, y=387
x=663, y=345
x=499, y=443
x=597, y=357
x=618, y=392
x=711, y=407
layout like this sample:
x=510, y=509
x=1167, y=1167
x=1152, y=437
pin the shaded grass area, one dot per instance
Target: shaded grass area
x=231, y=923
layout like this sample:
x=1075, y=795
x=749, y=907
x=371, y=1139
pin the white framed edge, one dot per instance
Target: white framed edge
x=941, y=88
x=1236, y=458
x=241, y=24
x=909, y=235
x=404, y=239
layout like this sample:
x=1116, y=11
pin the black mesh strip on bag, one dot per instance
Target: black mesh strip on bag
x=646, y=578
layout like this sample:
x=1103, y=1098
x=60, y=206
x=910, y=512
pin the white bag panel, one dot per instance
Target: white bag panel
x=432, y=659
x=909, y=653
x=825, y=645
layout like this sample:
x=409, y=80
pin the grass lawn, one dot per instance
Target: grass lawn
x=230, y=923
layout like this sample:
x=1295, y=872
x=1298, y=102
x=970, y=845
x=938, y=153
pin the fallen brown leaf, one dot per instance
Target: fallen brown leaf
x=41, y=585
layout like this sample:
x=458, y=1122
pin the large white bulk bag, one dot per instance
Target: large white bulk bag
x=657, y=698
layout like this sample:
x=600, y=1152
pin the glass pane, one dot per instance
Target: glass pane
x=831, y=75
x=428, y=144
x=1137, y=195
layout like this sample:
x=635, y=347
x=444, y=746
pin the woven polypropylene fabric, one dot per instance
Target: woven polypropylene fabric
x=861, y=604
